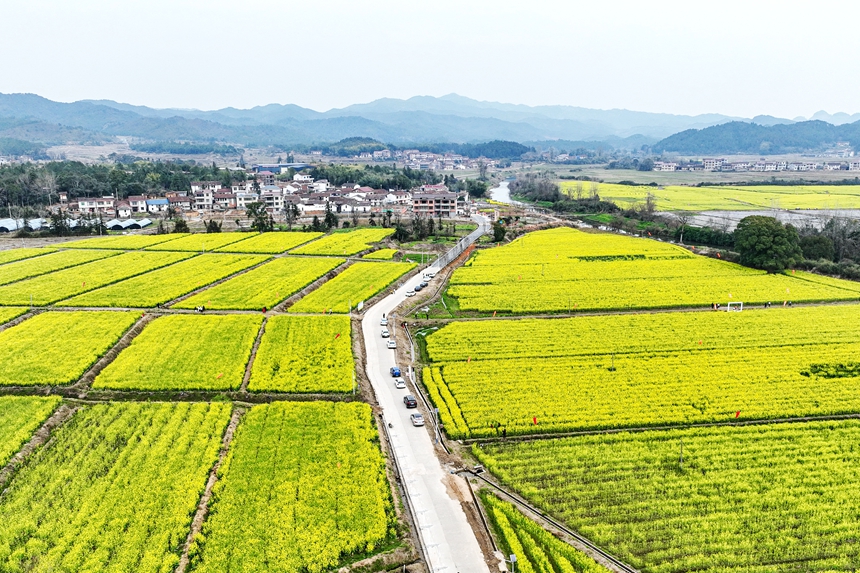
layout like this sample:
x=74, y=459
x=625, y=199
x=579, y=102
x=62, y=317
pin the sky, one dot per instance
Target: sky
x=783, y=58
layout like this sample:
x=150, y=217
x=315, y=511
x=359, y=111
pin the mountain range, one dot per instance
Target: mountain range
x=417, y=120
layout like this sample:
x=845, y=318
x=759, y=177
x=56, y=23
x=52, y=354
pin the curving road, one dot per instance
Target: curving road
x=434, y=494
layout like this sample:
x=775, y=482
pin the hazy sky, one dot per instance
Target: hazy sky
x=784, y=58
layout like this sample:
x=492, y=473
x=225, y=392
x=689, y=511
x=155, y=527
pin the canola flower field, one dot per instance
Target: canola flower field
x=10, y=313
x=52, y=287
x=20, y=416
x=304, y=485
x=344, y=243
x=761, y=498
x=536, y=549
x=304, y=354
x=619, y=371
x=199, y=242
x=270, y=243
x=163, y=285
x=56, y=348
x=727, y=198
x=356, y=283
x=122, y=242
x=41, y=265
x=11, y=255
x=381, y=255
x=185, y=352
x=116, y=490
x=563, y=270
x=266, y=286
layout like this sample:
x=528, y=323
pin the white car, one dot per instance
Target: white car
x=383, y=322
x=429, y=274
x=410, y=293
x=399, y=383
x=392, y=344
x=417, y=419
x=385, y=333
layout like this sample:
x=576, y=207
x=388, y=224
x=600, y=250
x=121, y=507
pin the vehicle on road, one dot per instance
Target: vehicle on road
x=418, y=288
x=385, y=333
x=399, y=383
x=392, y=343
x=410, y=293
x=395, y=371
x=424, y=284
x=417, y=419
x=429, y=274
x=410, y=401
x=383, y=322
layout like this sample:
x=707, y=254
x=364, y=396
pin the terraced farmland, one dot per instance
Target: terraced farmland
x=11, y=255
x=199, y=242
x=266, y=286
x=166, y=284
x=356, y=283
x=59, y=285
x=56, y=348
x=10, y=313
x=185, y=352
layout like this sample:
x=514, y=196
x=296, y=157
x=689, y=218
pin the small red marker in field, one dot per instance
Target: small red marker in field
x=337, y=336
x=494, y=314
x=718, y=256
x=737, y=414
x=220, y=375
x=534, y=419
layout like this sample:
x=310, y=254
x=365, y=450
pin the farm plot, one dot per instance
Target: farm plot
x=358, y=282
x=185, y=352
x=10, y=313
x=344, y=243
x=199, y=242
x=564, y=271
x=49, y=263
x=121, y=242
x=56, y=348
x=537, y=550
x=270, y=243
x=265, y=286
x=630, y=371
x=770, y=498
x=381, y=255
x=20, y=416
x=304, y=354
x=49, y=288
x=166, y=284
x=303, y=487
x=116, y=491
x=12, y=255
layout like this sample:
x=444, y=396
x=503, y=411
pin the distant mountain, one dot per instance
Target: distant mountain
x=837, y=118
x=749, y=138
x=418, y=120
x=768, y=120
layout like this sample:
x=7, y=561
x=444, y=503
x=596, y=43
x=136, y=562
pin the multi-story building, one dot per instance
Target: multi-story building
x=713, y=164
x=103, y=205
x=438, y=203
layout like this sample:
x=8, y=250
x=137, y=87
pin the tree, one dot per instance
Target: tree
x=765, y=243
x=180, y=226
x=291, y=213
x=261, y=221
x=330, y=220
x=498, y=232
x=59, y=224
x=316, y=226
x=817, y=247
x=482, y=170
x=213, y=226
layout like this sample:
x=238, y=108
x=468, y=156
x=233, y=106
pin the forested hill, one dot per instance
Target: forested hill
x=742, y=137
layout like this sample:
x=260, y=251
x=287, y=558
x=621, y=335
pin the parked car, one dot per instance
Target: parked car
x=383, y=322
x=424, y=284
x=418, y=288
x=410, y=401
x=385, y=333
x=399, y=383
x=410, y=293
x=391, y=343
x=417, y=419
x=429, y=274
x=395, y=371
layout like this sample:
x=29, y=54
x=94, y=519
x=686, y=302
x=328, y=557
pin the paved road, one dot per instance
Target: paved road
x=449, y=542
